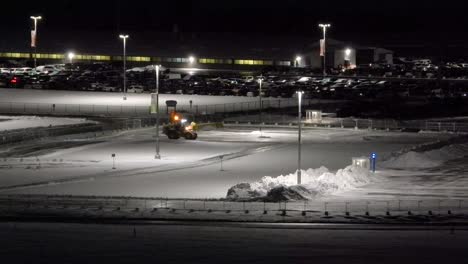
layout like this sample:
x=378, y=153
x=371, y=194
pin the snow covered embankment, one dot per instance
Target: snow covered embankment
x=426, y=159
x=316, y=182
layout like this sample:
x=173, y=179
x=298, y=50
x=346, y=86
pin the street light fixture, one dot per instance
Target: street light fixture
x=34, y=38
x=191, y=60
x=124, y=38
x=71, y=56
x=298, y=61
x=324, y=28
x=348, y=52
x=299, y=143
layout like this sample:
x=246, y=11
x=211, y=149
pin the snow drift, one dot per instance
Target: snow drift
x=426, y=159
x=316, y=182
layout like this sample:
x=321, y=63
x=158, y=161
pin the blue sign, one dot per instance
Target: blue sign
x=373, y=159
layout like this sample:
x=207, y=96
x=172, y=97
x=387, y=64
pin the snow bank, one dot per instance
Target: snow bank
x=426, y=159
x=316, y=182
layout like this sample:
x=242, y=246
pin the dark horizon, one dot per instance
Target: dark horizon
x=435, y=26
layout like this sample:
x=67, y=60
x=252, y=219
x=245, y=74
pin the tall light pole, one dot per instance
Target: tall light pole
x=34, y=38
x=260, y=84
x=299, y=143
x=124, y=38
x=158, y=155
x=324, y=28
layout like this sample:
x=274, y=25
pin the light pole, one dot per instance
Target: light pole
x=71, y=56
x=34, y=38
x=299, y=143
x=260, y=84
x=324, y=28
x=158, y=155
x=298, y=61
x=124, y=38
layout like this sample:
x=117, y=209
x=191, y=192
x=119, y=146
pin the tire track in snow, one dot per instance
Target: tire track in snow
x=148, y=170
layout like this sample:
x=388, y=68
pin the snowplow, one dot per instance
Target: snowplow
x=178, y=128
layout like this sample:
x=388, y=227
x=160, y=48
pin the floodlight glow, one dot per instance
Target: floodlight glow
x=36, y=17
x=71, y=55
x=298, y=58
x=124, y=36
x=191, y=59
x=183, y=121
x=348, y=52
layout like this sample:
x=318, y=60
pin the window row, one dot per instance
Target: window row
x=15, y=55
x=215, y=61
x=253, y=62
x=144, y=59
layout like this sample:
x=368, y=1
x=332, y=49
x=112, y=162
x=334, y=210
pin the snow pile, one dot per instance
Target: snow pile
x=426, y=159
x=316, y=182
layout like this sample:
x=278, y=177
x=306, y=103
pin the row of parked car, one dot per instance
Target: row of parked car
x=109, y=78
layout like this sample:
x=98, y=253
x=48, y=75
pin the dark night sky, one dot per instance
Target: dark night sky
x=376, y=22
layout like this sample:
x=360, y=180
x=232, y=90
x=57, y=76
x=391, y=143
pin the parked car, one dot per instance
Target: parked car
x=108, y=88
x=5, y=70
x=135, y=89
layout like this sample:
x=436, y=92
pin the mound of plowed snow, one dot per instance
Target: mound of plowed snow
x=426, y=159
x=316, y=182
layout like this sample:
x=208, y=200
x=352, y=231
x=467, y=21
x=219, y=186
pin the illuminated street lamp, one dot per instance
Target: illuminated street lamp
x=299, y=143
x=124, y=38
x=34, y=38
x=191, y=60
x=347, y=53
x=298, y=61
x=71, y=56
x=347, y=58
x=324, y=28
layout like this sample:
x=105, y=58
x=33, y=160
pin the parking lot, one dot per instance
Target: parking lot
x=400, y=81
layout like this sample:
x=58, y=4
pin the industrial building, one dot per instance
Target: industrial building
x=341, y=54
x=207, y=50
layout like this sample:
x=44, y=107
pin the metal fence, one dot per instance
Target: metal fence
x=17, y=135
x=269, y=120
x=138, y=110
x=319, y=208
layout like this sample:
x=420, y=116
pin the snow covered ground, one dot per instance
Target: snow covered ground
x=111, y=99
x=22, y=122
x=191, y=169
